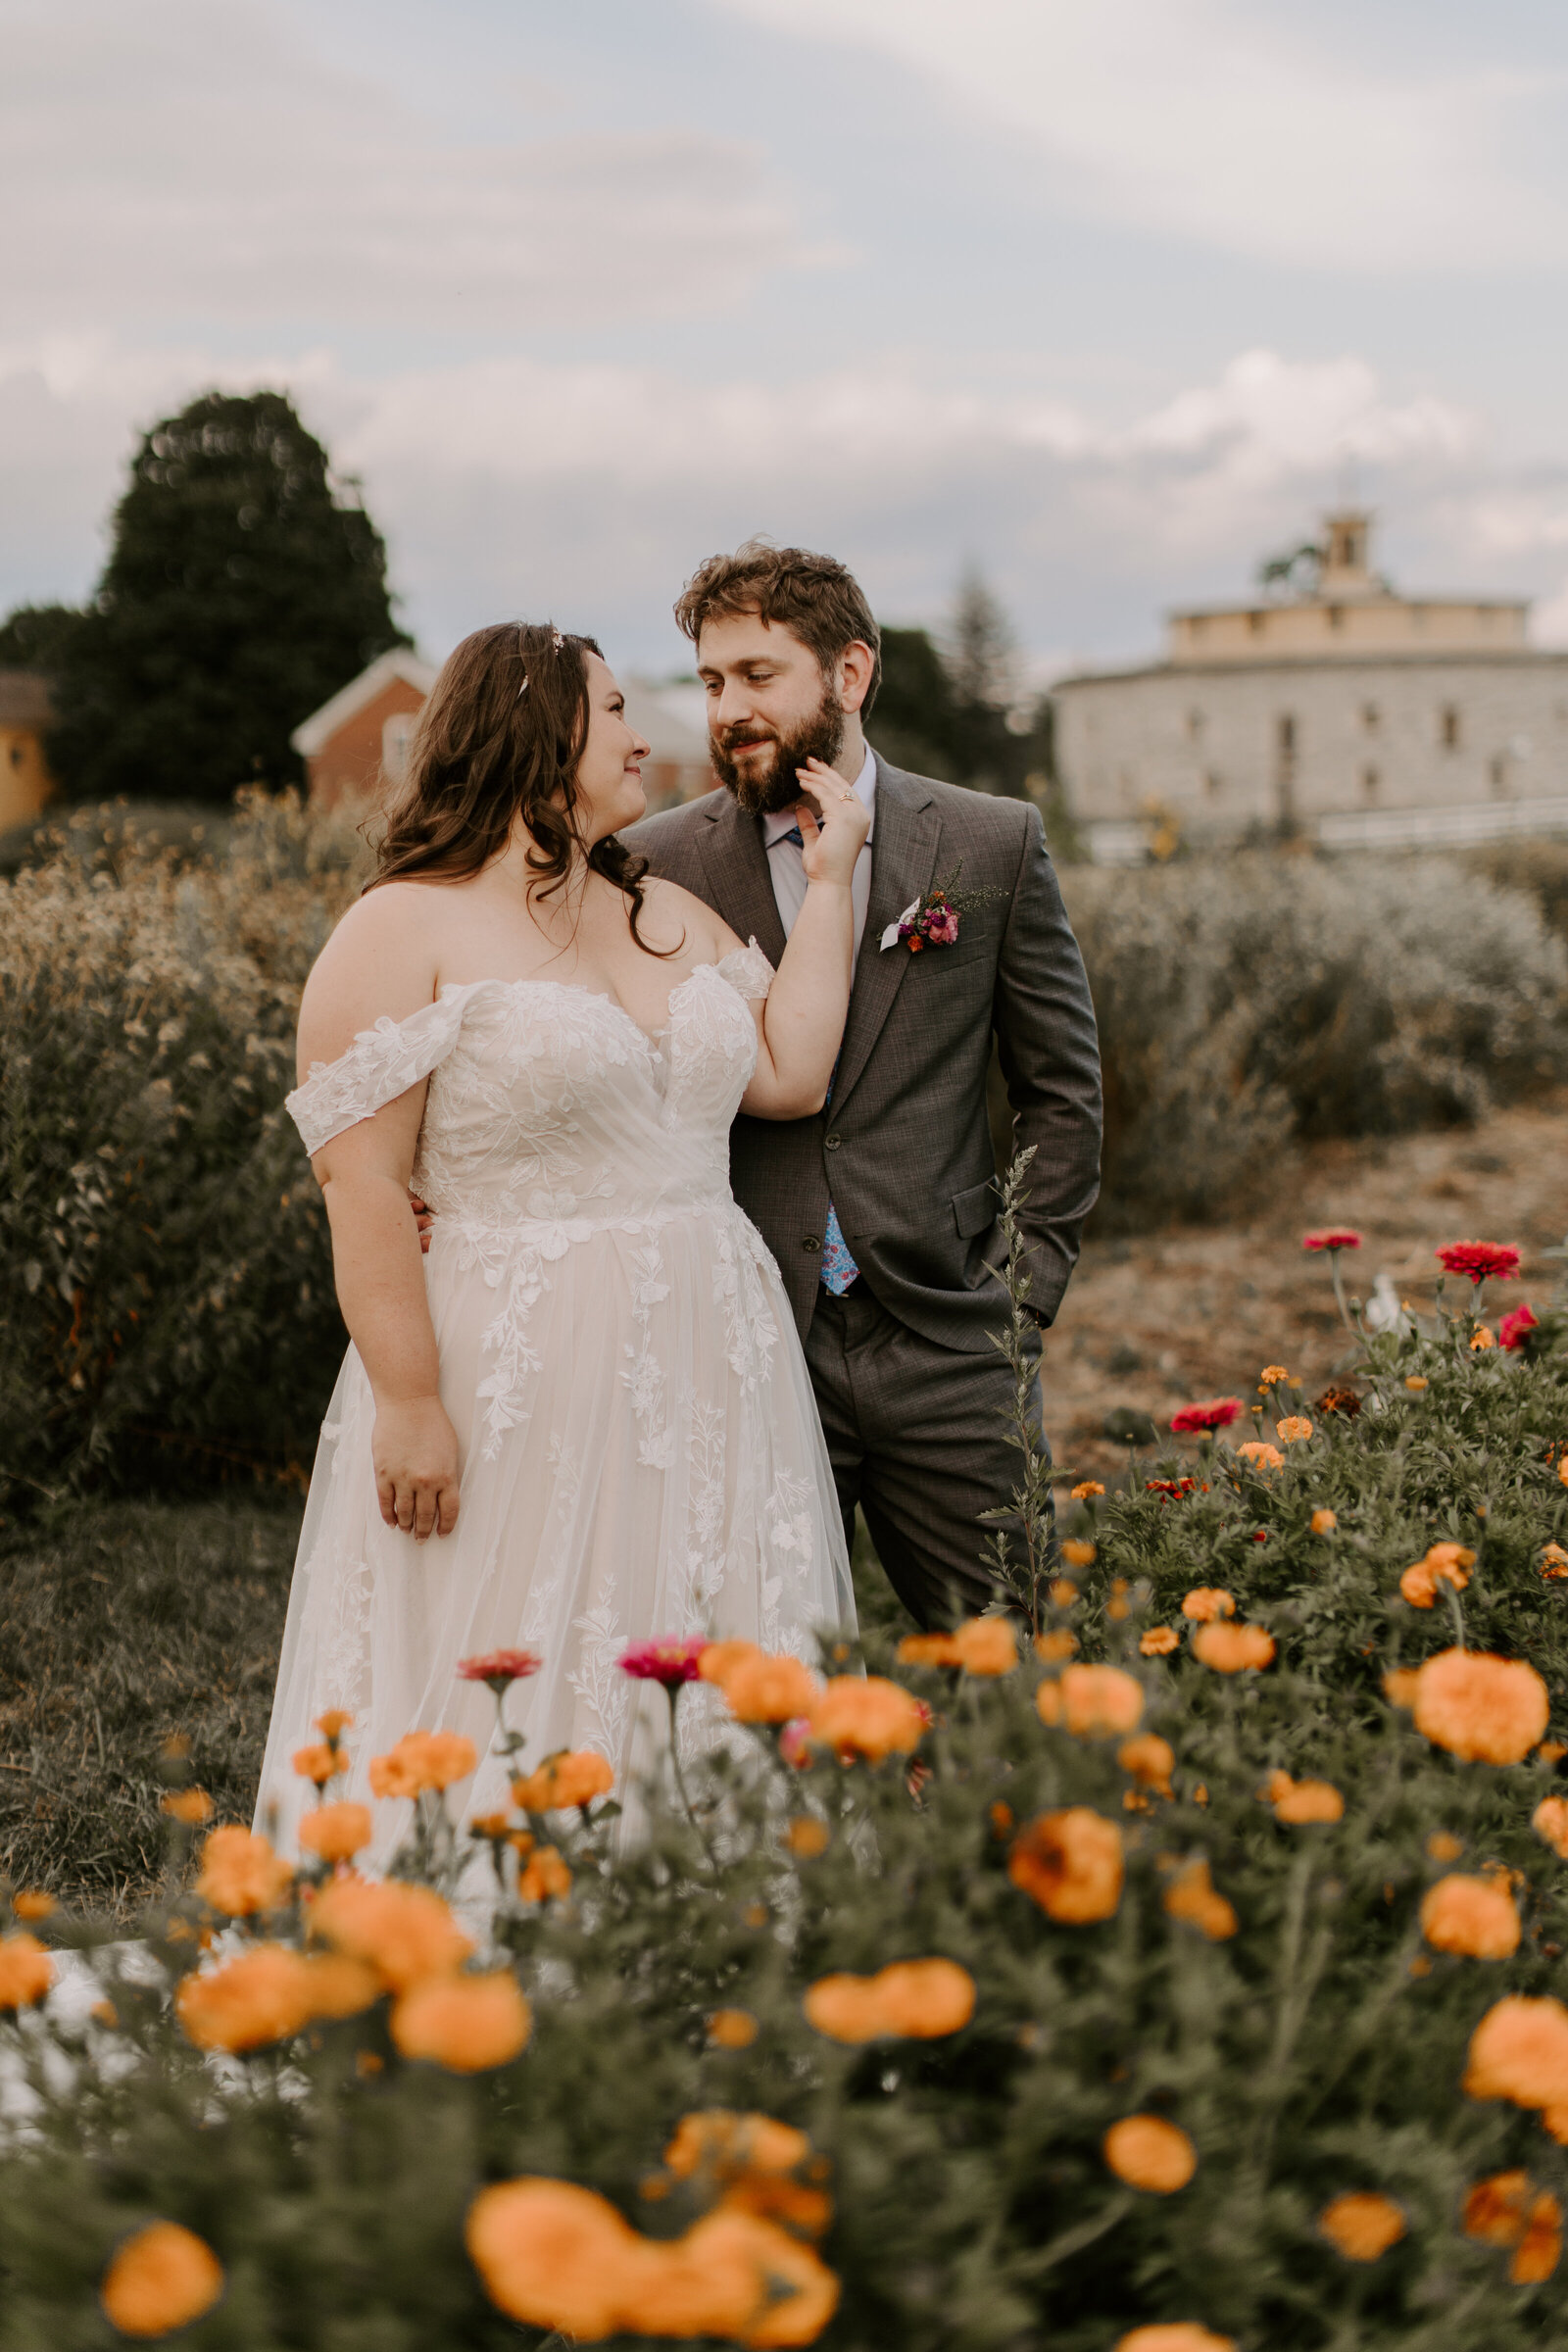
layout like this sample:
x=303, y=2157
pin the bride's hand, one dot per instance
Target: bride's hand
x=834, y=823
x=415, y=1451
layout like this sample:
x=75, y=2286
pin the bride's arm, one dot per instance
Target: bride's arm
x=377, y=963
x=802, y=1020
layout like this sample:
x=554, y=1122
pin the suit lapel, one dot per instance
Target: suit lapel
x=742, y=887
x=904, y=857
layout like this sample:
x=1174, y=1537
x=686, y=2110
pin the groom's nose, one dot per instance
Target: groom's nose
x=733, y=705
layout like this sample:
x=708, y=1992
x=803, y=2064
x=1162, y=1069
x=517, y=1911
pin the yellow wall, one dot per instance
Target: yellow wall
x=25, y=781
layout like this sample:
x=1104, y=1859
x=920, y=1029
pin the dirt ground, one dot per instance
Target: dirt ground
x=1199, y=1310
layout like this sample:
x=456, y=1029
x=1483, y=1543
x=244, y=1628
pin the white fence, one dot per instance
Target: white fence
x=1121, y=843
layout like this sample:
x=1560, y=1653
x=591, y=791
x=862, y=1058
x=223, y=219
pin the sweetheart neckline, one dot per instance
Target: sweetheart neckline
x=597, y=996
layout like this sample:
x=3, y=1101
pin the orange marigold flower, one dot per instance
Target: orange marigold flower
x=1400, y=1685
x=558, y=2257
x=1519, y=2051
x=1550, y=1821
x=1261, y=1455
x=1087, y=1490
x=1160, y=1641
x=547, y=1876
x=466, y=2024
x=1481, y=1338
x=1053, y=1647
x=1562, y=1468
x=1095, y=1703
x=496, y=1827
x=192, y=1806
x=1302, y=1802
x=1070, y=1863
x=1272, y=1375
x=161, y=2277
x=1233, y=1648
x=336, y=1831
x=261, y=1997
x=1415, y=1382
x=987, y=1646
x=422, y=1760
x=404, y=1932
x=919, y=2000
x=571, y=1776
x=1294, y=1430
x=1193, y=1896
x=769, y=1690
x=1064, y=1592
x=1442, y=1847
x=927, y=1649
x=807, y=1837
x=1442, y=1564
x=334, y=1723
x=1476, y=1917
x=240, y=1874
x=1175, y=2335
x=1206, y=1602
x=1146, y=2152
x=1150, y=1759
x=319, y=1763
x=732, y=2029
x=716, y=1663
x=1553, y=1563
x=31, y=1902
x=1494, y=2209
x=1324, y=1521
x=27, y=1971
x=1485, y=1710
x=336, y=1986
x=869, y=1717
x=1539, y=2250
x=1363, y=2224
x=1552, y=1751
x=1078, y=1552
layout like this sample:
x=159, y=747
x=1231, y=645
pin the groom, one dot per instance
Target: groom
x=881, y=1210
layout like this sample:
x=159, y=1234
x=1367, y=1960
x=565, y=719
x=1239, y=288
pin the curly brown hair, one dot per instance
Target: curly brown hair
x=815, y=597
x=500, y=738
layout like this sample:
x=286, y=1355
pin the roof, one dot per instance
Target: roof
x=655, y=712
x=313, y=734
x=1348, y=665
x=24, y=699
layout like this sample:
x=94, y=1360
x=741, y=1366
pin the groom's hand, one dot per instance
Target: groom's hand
x=834, y=823
x=415, y=1452
x=425, y=1218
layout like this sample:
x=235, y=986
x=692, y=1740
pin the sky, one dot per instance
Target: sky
x=1106, y=303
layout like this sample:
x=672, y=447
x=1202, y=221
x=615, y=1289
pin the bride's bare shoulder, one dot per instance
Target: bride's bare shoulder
x=674, y=916
x=382, y=958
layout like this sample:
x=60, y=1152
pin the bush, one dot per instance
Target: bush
x=166, y=1292
x=1193, y=1940
x=1536, y=868
x=1247, y=1003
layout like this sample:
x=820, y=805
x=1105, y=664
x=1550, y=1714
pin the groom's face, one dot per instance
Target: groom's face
x=769, y=709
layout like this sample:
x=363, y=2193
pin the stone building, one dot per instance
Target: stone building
x=1342, y=712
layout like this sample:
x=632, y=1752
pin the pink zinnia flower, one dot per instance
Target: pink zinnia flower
x=795, y=1742
x=1479, y=1259
x=670, y=1662
x=1338, y=1237
x=1218, y=1412
x=1513, y=1327
x=499, y=1667
x=942, y=929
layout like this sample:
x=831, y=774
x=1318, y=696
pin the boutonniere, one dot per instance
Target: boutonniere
x=933, y=921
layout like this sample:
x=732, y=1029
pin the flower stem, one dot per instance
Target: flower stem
x=672, y=1692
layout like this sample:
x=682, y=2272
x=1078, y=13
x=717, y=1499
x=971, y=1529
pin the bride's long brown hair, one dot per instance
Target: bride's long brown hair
x=489, y=749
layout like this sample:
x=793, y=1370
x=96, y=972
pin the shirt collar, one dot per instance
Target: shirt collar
x=863, y=786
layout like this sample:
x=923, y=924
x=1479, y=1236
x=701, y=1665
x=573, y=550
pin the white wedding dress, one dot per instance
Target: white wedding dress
x=640, y=1451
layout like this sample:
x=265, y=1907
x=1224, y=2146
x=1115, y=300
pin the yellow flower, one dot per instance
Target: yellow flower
x=1206, y=1602
x=336, y=1831
x=1070, y=1863
x=1301, y=1802
x=1485, y=1710
x=240, y=1874
x=466, y=2024
x=1261, y=1455
x=1519, y=2051
x=190, y=1805
x=404, y=1932
x=261, y=1997
x=769, y=1690
x=1294, y=1430
x=732, y=2029
x=1442, y=1564
x=546, y=1876
x=1160, y=1641
x=986, y=1646
x=927, y=1649
x=572, y=1776
x=1064, y=1592
x=162, y=2278
x=869, y=1717
x=1481, y=1338
x=1078, y=1552
x=319, y=1763
x=1233, y=1648
x=1087, y=1490
x=1193, y=1896
x=27, y=1971
x=334, y=1724
x=1476, y=1917
x=1324, y=1521
x=1053, y=1647
x=1146, y=2152
x=1094, y=1701
x=921, y=2001
x=1362, y=2224
x=1151, y=1761
x=1272, y=1375
x=422, y=1760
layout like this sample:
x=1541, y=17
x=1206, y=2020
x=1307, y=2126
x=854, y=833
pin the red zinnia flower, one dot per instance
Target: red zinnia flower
x=1218, y=1412
x=1338, y=1237
x=669, y=1662
x=1511, y=1330
x=1479, y=1259
x=1177, y=1487
x=499, y=1667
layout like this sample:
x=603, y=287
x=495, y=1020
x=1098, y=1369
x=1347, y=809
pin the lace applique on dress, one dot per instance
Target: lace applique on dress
x=748, y=971
x=382, y=1063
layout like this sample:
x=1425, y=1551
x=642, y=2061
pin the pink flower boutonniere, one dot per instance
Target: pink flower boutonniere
x=933, y=921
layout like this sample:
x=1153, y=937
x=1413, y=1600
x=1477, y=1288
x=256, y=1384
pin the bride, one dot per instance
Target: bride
x=584, y=1420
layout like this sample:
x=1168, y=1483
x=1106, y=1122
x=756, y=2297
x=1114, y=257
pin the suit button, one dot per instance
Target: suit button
x=812, y=1240
x=831, y=1143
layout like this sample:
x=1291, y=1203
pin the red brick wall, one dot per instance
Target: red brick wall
x=349, y=764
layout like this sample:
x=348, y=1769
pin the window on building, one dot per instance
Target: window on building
x=1287, y=734
x=1370, y=780
x=1213, y=783
x=1371, y=717
x=1449, y=726
x=1194, y=726
x=1497, y=772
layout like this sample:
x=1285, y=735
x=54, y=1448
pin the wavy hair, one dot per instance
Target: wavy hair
x=500, y=738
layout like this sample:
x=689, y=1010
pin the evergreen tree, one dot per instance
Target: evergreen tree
x=36, y=636
x=241, y=591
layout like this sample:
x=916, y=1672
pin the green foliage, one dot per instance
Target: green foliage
x=948, y=711
x=1536, y=868
x=36, y=636
x=241, y=591
x=160, y=1236
x=1248, y=1004
x=1317, y=2049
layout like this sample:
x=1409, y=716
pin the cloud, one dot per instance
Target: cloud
x=1258, y=132
x=192, y=158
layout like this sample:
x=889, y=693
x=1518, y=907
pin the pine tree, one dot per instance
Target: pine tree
x=242, y=589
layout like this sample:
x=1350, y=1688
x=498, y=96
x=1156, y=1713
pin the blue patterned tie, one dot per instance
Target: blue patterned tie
x=838, y=1269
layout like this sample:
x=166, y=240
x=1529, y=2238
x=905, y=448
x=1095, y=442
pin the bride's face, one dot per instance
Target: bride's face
x=610, y=774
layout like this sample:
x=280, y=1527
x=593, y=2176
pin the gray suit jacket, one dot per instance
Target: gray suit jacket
x=905, y=1146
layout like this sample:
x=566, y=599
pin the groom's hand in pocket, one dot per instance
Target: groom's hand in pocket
x=415, y=1451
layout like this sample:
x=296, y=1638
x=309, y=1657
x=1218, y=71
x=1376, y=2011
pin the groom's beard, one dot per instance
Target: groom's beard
x=765, y=787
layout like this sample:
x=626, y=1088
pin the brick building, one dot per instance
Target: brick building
x=26, y=714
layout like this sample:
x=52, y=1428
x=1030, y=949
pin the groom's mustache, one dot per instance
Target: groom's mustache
x=774, y=784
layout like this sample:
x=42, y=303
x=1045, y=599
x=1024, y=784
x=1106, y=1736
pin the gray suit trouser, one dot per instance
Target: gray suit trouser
x=916, y=1438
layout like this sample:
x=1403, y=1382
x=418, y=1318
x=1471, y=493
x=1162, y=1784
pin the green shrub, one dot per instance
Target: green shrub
x=1536, y=868
x=1254, y=1000
x=166, y=1293
x=1300, y=2030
